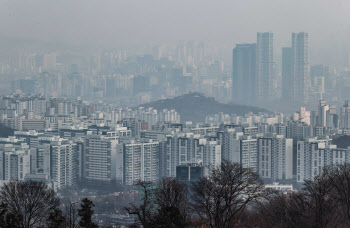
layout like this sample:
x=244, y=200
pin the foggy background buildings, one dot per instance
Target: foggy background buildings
x=120, y=24
x=97, y=95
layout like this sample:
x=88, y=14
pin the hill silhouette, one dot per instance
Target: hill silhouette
x=195, y=107
x=5, y=131
x=342, y=141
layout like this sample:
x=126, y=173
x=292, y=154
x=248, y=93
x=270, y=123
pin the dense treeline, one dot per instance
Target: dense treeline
x=32, y=204
x=232, y=196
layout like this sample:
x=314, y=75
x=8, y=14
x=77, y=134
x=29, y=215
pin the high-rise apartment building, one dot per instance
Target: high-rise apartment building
x=276, y=157
x=322, y=112
x=244, y=74
x=314, y=155
x=230, y=144
x=241, y=149
x=179, y=149
x=100, y=158
x=15, y=164
x=332, y=119
x=264, y=66
x=141, y=162
x=64, y=163
x=249, y=153
x=327, y=115
x=183, y=149
x=211, y=154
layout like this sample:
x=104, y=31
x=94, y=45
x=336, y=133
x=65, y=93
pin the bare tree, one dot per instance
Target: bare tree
x=145, y=210
x=321, y=203
x=164, y=205
x=317, y=205
x=171, y=199
x=297, y=210
x=8, y=219
x=341, y=186
x=268, y=211
x=172, y=193
x=221, y=198
x=31, y=201
x=281, y=210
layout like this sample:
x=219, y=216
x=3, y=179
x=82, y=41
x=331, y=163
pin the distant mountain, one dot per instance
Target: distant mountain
x=342, y=141
x=5, y=131
x=195, y=107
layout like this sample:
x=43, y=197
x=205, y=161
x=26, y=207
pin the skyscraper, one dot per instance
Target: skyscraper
x=295, y=70
x=244, y=73
x=300, y=67
x=345, y=115
x=264, y=66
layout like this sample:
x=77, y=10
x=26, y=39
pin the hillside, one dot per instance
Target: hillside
x=342, y=141
x=5, y=131
x=195, y=107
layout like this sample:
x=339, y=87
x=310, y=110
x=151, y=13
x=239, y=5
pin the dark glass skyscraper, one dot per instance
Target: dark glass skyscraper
x=264, y=66
x=244, y=74
x=295, y=70
x=300, y=66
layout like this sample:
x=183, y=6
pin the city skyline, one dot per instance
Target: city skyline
x=143, y=113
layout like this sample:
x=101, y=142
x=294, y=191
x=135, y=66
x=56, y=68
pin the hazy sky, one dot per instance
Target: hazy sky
x=118, y=23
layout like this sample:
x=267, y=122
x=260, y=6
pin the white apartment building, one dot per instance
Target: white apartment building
x=313, y=155
x=64, y=163
x=15, y=164
x=100, y=158
x=141, y=162
x=179, y=149
x=276, y=157
x=211, y=154
x=249, y=153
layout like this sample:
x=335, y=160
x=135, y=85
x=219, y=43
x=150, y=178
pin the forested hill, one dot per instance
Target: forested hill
x=195, y=107
x=342, y=141
x=5, y=131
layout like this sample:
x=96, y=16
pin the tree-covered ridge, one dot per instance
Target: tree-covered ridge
x=233, y=196
x=342, y=141
x=195, y=107
x=5, y=131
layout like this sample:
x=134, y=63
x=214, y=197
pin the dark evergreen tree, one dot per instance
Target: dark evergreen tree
x=56, y=219
x=169, y=217
x=85, y=213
